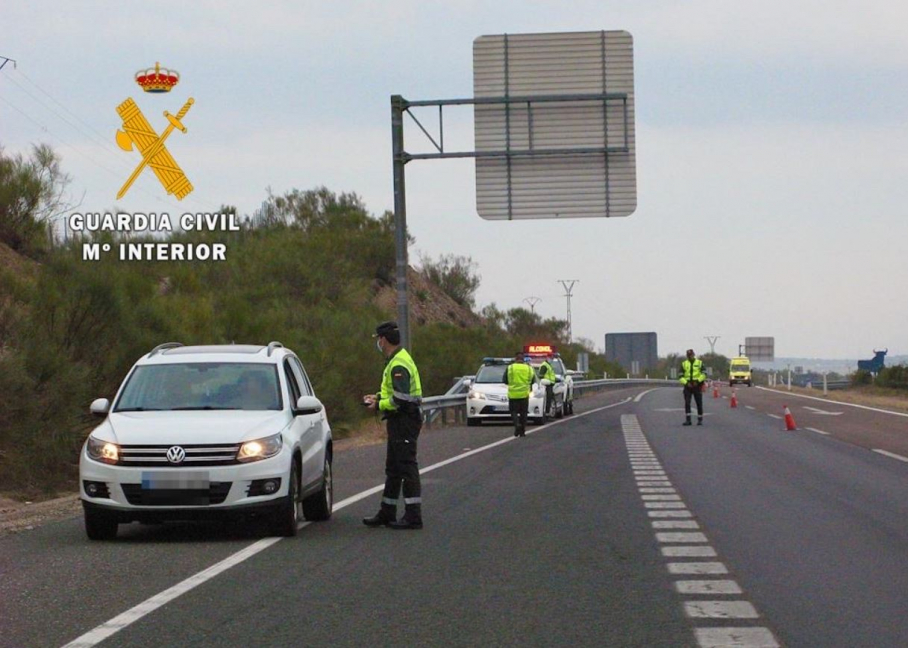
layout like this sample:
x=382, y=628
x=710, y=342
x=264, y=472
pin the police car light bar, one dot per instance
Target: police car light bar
x=539, y=349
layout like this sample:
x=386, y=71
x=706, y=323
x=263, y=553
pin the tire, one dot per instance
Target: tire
x=559, y=410
x=287, y=517
x=318, y=507
x=570, y=408
x=750, y=383
x=100, y=525
x=474, y=421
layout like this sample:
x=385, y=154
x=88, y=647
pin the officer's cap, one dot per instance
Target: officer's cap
x=384, y=328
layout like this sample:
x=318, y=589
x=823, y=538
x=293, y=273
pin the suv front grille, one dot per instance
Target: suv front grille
x=216, y=493
x=197, y=455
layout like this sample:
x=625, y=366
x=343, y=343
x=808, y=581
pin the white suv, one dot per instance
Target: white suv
x=563, y=389
x=206, y=431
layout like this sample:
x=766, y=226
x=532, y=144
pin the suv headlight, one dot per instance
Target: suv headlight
x=103, y=451
x=475, y=395
x=260, y=448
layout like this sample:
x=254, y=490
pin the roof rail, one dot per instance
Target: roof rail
x=163, y=347
x=272, y=346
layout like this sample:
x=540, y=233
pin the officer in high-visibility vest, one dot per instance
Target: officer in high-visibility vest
x=692, y=377
x=398, y=401
x=519, y=378
x=547, y=372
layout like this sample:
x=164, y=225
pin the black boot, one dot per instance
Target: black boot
x=412, y=518
x=386, y=516
x=687, y=421
x=699, y=420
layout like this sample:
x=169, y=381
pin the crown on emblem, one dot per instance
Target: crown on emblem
x=157, y=79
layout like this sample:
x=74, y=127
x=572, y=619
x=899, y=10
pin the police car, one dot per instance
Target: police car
x=563, y=388
x=487, y=398
x=209, y=431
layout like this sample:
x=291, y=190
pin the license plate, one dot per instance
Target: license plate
x=176, y=480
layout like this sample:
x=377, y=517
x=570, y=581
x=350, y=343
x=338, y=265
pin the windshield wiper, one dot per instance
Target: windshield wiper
x=202, y=407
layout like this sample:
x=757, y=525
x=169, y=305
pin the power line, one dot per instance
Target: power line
x=712, y=342
x=532, y=301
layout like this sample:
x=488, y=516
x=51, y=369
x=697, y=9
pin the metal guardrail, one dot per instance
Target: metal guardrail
x=435, y=407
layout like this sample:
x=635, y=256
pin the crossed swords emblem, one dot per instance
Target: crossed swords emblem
x=137, y=131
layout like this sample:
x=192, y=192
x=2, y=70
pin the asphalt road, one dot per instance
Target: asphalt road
x=569, y=536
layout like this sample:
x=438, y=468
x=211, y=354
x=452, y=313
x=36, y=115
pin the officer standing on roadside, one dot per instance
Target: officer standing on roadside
x=547, y=372
x=519, y=378
x=398, y=401
x=692, y=377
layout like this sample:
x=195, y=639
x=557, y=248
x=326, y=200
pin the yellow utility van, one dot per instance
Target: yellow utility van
x=739, y=371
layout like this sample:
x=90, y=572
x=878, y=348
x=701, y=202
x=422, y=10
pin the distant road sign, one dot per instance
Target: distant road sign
x=629, y=348
x=554, y=125
x=760, y=349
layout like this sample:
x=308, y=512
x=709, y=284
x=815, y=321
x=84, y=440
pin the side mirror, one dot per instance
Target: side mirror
x=100, y=407
x=559, y=379
x=308, y=405
x=467, y=382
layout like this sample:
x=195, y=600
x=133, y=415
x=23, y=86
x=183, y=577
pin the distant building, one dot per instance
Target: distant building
x=629, y=348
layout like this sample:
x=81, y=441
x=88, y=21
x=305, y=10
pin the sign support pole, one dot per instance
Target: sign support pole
x=398, y=105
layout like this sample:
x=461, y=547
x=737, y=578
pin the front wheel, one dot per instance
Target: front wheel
x=570, y=408
x=287, y=517
x=100, y=525
x=318, y=506
x=559, y=410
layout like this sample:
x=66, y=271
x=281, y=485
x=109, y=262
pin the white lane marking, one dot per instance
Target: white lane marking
x=837, y=403
x=817, y=431
x=668, y=514
x=697, y=568
x=720, y=610
x=735, y=637
x=891, y=454
x=675, y=524
x=132, y=615
x=657, y=490
x=681, y=536
x=775, y=416
x=817, y=410
x=750, y=407
x=642, y=394
x=105, y=630
x=688, y=551
x=708, y=587
x=661, y=498
x=665, y=505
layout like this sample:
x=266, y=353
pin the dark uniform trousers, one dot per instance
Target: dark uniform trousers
x=401, y=467
x=519, y=408
x=693, y=389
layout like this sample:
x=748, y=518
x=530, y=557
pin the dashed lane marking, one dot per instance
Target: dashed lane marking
x=662, y=501
x=775, y=416
x=818, y=431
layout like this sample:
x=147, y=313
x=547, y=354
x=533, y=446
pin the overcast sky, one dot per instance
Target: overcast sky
x=772, y=146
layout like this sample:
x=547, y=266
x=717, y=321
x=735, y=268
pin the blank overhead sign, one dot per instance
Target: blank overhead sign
x=760, y=349
x=554, y=125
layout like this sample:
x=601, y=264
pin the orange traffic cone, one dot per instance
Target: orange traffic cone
x=789, y=420
x=715, y=390
x=734, y=399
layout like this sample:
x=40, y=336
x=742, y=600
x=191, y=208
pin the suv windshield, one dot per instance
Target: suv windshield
x=740, y=367
x=201, y=386
x=491, y=374
x=557, y=365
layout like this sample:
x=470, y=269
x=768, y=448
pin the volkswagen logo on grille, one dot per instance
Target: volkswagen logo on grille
x=176, y=454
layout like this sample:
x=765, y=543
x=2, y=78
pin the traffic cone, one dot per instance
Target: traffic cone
x=734, y=399
x=789, y=420
x=715, y=390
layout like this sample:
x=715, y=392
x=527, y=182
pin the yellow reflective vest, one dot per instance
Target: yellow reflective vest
x=400, y=386
x=692, y=371
x=520, y=377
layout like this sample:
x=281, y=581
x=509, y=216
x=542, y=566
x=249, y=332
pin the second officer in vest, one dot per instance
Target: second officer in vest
x=398, y=401
x=692, y=377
